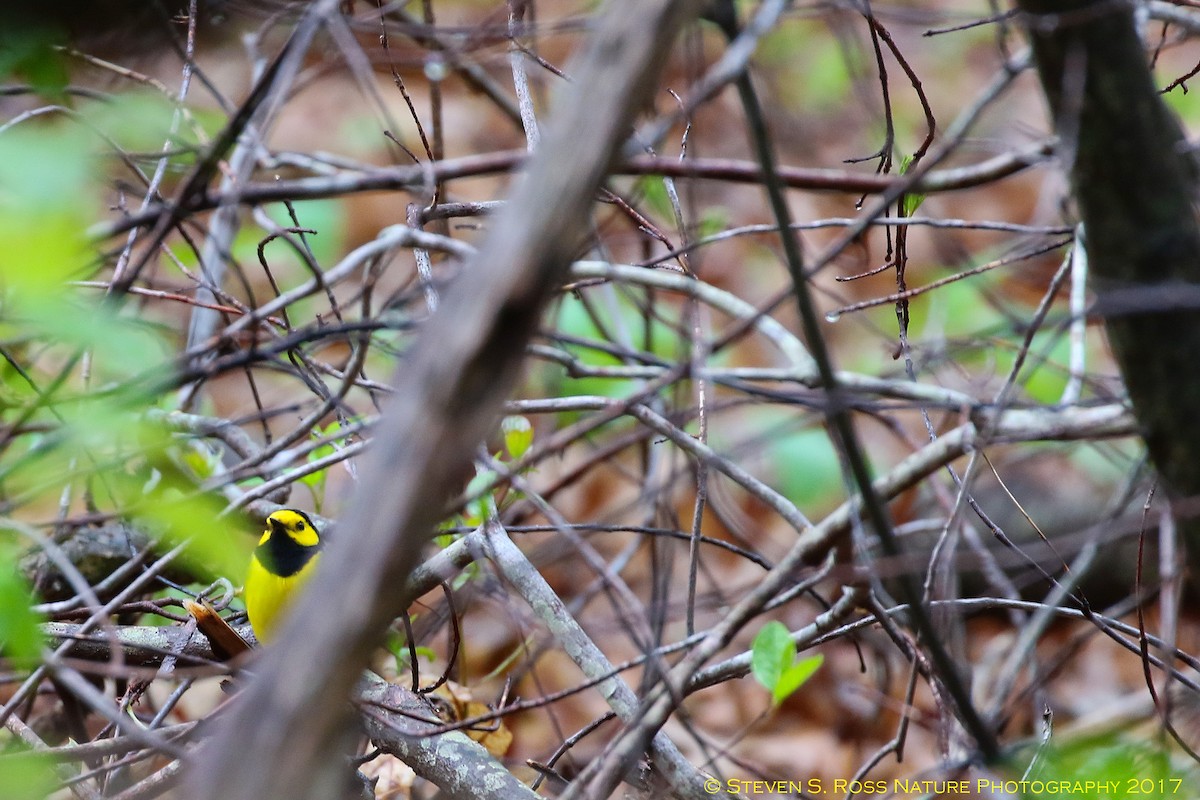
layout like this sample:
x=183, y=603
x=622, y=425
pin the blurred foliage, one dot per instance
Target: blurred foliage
x=28, y=777
x=813, y=71
x=485, y=500
x=20, y=636
x=323, y=216
x=608, y=329
x=28, y=54
x=1115, y=767
x=518, y=435
x=801, y=461
x=1185, y=103
x=80, y=372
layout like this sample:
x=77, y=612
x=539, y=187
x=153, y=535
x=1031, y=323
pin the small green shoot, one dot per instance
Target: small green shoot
x=909, y=202
x=774, y=664
x=518, y=435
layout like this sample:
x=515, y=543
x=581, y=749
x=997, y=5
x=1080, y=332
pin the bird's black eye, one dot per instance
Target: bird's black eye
x=299, y=526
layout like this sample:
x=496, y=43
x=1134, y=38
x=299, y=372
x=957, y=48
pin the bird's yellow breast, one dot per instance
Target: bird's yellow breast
x=268, y=595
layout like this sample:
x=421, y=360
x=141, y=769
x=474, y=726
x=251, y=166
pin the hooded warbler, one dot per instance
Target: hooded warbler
x=285, y=557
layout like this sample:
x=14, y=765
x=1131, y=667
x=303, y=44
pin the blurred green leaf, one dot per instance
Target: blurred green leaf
x=1107, y=462
x=805, y=465
x=911, y=201
x=466, y=575
x=713, y=220
x=317, y=479
x=327, y=217
x=574, y=320
x=1108, y=767
x=814, y=72
x=27, y=52
x=1184, y=103
x=481, y=507
x=518, y=435
x=95, y=431
x=1045, y=376
x=138, y=121
x=654, y=195
x=626, y=323
x=121, y=347
x=20, y=637
x=955, y=310
x=44, y=212
x=202, y=459
x=27, y=775
x=216, y=546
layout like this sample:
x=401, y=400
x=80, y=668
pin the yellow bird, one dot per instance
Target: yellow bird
x=285, y=557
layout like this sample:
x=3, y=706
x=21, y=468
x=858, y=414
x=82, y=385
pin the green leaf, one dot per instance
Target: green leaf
x=20, y=637
x=27, y=776
x=1108, y=767
x=327, y=217
x=910, y=202
x=772, y=652
x=795, y=676
x=773, y=662
x=518, y=435
x=138, y=120
x=27, y=51
x=172, y=512
x=316, y=479
x=1045, y=375
x=465, y=576
x=654, y=194
x=45, y=207
x=201, y=458
x=713, y=220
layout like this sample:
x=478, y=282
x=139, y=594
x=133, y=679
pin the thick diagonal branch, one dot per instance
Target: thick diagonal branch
x=285, y=739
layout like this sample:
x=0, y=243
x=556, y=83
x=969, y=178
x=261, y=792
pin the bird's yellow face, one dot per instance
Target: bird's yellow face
x=289, y=524
x=286, y=555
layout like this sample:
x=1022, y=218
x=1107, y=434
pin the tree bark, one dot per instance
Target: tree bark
x=1134, y=181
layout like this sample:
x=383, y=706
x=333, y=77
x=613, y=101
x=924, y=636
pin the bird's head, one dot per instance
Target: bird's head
x=293, y=524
